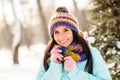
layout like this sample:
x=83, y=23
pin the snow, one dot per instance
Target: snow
x=30, y=59
x=91, y=39
x=118, y=44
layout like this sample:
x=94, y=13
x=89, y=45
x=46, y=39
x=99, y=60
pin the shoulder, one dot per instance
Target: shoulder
x=96, y=53
x=93, y=49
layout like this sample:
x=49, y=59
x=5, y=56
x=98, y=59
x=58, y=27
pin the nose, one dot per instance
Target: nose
x=61, y=36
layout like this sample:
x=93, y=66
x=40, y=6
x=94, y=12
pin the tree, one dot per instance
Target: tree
x=81, y=16
x=43, y=21
x=16, y=35
x=6, y=33
x=106, y=19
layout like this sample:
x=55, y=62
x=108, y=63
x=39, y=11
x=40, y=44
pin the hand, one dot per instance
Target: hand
x=56, y=56
x=69, y=64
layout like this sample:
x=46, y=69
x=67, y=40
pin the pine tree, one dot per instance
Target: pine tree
x=106, y=19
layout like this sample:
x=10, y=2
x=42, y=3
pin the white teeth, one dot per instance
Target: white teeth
x=63, y=41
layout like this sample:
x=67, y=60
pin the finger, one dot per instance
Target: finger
x=59, y=56
x=58, y=50
x=55, y=51
x=67, y=58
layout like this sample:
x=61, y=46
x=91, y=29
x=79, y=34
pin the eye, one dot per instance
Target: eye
x=66, y=30
x=56, y=32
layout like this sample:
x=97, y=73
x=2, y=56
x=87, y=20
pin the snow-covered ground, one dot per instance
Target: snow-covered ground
x=29, y=58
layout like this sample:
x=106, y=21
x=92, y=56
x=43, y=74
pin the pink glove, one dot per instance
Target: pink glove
x=69, y=64
x=56, y=56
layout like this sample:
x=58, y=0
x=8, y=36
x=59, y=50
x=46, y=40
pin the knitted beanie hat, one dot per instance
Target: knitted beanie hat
x=62, y=17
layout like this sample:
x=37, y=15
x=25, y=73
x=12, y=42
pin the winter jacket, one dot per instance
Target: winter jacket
x=56, y=71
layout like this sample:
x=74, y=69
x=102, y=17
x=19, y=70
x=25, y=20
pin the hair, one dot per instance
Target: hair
x=80, y=40
x=86, y=49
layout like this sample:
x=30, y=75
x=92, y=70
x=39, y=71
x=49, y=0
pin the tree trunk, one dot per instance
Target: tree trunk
x=43, y=21
x=15, y=56
x=81, y=16
x=16, y=35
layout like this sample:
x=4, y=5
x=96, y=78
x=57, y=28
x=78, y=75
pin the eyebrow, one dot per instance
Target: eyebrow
x=66, y=28
x=63, y=29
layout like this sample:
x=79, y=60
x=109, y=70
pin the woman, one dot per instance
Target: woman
x=68, y=56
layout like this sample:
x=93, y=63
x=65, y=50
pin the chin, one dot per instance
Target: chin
x=65, y=45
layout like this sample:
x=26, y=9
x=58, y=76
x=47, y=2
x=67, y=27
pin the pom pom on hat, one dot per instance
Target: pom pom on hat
x=62, y=17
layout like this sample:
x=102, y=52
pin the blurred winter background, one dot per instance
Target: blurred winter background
x=24, y=33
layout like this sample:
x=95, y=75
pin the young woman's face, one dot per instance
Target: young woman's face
x=63, y=36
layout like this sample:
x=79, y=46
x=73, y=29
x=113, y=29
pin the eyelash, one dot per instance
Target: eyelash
x=56, y=32
x=66, y=30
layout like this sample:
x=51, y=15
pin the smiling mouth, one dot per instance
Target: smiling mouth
x=63, y=41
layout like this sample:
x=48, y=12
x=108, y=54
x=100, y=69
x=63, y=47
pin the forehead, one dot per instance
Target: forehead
x=61, y=28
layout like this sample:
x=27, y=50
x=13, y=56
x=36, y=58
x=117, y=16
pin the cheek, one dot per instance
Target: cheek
x=70, y=36
x=55, y=37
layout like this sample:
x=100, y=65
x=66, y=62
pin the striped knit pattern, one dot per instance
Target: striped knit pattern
x=63, y=19
x=75, y=50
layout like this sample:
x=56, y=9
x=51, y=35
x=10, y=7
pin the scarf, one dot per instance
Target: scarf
x=75, y=50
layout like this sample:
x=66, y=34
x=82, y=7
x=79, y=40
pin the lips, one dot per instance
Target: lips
x=63, y=41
